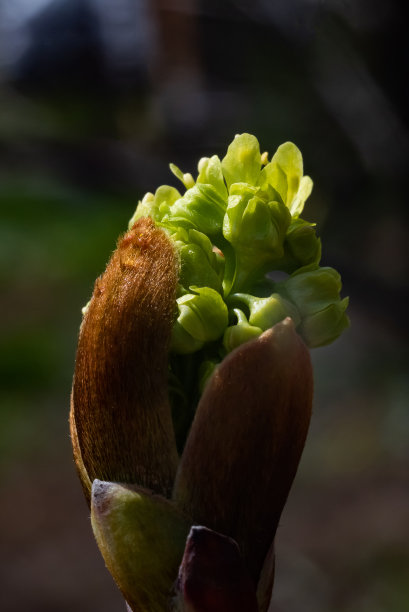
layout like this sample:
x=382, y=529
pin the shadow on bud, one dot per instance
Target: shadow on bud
x=212, y=576
x=246, y=441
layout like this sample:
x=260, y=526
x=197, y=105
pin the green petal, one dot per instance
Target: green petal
x=273, y=176
x=242, y=163
x=202, y=314
x=200, y=208
x=211, y=173
x=304, y=191
x=289, y=159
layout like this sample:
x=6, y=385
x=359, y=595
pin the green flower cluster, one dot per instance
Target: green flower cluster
x=236, y=223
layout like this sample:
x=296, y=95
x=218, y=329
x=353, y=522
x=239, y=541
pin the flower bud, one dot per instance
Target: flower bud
x=199, y=264
x=316, y=295
x=210, y=172
x=201, y=208
x=301, y=246
x=239, y=333
x=266, y=312
x=187, y=283
x=256, y=229
x=202, y=317
x=155, y=206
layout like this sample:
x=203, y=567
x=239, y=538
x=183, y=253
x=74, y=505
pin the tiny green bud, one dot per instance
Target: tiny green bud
x=239, y=333
x=210, y=172
x=203, y=315
x=301, y=246
x=155, y=206
x=256, y=229
x=199, y=263
x=266, y=312
x=201, y=208
x=316, y=294
x=186, y=178
x=326, y=325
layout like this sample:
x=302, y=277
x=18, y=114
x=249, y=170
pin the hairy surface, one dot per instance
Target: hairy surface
x=121, y=423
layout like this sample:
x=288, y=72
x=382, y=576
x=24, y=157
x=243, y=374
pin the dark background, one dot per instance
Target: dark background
x=96, y=97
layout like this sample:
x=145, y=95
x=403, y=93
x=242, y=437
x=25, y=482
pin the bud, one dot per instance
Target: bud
x=210, y=173
x=199, y=264
x=201, y=208
x=202, y=317
x=256, y=229
x=120, y=411
x=301, y=246
x=246, y=441
x=239, y=333
x=266, y=312
x=173, y=358
x=315, y=292
x=155, y=206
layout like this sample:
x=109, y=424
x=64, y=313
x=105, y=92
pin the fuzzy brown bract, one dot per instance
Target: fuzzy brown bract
x=120, y=417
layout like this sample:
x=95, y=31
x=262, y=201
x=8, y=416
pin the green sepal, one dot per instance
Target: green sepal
x=242, y=163
x=142, y=538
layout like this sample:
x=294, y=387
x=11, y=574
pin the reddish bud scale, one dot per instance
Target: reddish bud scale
x=246, y=441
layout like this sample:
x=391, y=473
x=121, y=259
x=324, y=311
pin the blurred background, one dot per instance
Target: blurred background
x=96, y=97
